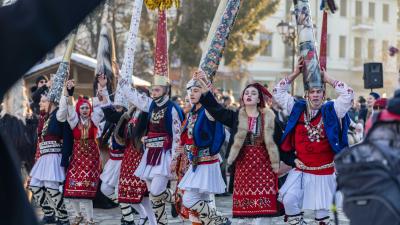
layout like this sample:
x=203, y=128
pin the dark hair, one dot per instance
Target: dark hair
x=39, y=78
x=361, y=100
x=263, y=94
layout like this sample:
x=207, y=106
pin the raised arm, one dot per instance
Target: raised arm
x=142, y=101
x=213, y=108
x=217, y=111
x=281, y=89
x=67, y=112
x=344, y=101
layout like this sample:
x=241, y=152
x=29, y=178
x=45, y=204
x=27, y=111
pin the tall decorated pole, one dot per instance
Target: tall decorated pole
x=161, y=73
x=130, y=49
x=62, y=72
x=106, y=58
x=212, y=58
x=326, y=5
x=306, y=43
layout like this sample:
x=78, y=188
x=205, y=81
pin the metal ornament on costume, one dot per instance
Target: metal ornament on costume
x=62, y=74
x=193, y=83
x=307, y=48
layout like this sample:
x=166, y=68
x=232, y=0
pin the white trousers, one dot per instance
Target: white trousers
x=157, y=185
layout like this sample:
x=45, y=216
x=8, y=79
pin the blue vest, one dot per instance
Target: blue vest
x=168, y=119
x=206, y=133
x=337, y=137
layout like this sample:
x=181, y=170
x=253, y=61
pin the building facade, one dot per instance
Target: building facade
x=360, y=31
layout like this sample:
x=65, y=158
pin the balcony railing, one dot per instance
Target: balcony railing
x=362, y=23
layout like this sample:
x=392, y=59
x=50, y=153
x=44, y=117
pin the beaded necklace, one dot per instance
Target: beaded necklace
x=315, y=133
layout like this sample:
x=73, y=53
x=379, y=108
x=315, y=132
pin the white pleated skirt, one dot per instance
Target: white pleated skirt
x=148, y=172
x=315, y=191
x=111, y=171
x=207, y=179
x=48, y=168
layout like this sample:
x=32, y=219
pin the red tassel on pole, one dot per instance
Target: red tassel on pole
x=324, y=41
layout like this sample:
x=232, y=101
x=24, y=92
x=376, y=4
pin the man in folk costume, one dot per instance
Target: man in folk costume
x=84, y=165
x=54, y=140
x=316, y=131
x=131, y=189
x=202, y=138
x=164, y=124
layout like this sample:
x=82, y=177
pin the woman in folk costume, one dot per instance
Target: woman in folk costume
x=202, y=138
x=164, y=124
x=253, y=151
x=131, y=189
x=54, y=141
x=84, y=165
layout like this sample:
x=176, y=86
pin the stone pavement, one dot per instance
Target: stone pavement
x=224, y=204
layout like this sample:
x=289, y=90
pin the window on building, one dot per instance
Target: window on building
x=357, y=52
x=371, y=10
x=385, y=13
x=357, y=47
x=342, y=47
x=358, y=9
x=371, y=49
x=266, y=38
x=385, y=47
x=343, y=8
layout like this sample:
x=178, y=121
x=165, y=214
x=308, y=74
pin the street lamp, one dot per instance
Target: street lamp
x=288, y=34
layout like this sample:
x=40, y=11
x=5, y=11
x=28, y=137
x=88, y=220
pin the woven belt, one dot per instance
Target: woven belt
x=50, y=147
x=156, y=142
x=208, y=159
x=326, y=166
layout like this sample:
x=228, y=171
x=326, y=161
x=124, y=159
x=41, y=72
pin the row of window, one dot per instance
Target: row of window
x=266, y=39
x=358, y=9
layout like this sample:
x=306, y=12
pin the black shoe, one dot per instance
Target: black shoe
x=48, y=219
x=124, y=222
x=174, y=213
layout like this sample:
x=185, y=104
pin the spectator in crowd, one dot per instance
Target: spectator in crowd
x=373, y=96
x=41, y=86
x=363, y=111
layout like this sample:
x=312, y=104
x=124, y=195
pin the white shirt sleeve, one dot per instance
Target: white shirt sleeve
x=72, y=117
x=343, y=103
x=176, y=130
x=62, y=109
x=141, y=101
x=282, y=96
x=97, y=115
